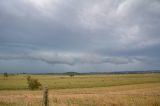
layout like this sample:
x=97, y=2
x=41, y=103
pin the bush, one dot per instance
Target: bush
x=33, y=83
x=28, y=78
x=5, y=75
x=71, y=74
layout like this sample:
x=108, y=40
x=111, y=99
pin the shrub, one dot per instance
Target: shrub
x=5, y=75
x=28, y=78
x=71, y=74
x=33, y=83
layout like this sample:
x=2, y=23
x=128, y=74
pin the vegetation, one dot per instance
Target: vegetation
x=33, y=83
x=28, y=78
x=127, y=95
x=71, y=74
x=5, y=75
x=18, y=82
x=83, y=90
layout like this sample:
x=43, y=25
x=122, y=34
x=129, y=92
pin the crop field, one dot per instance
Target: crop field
x=83, y=90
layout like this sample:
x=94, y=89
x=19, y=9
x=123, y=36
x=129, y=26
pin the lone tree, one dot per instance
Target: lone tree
x=71, y=74
x=28, y=78
x=5, y=75
x=33, y=83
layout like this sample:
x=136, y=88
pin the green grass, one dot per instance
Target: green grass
x=18, y=82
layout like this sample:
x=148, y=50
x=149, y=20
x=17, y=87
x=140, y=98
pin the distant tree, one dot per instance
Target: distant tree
x=5, y=75
x=71, y=74
x=33, y=83
x=23, y=73
x=28, y=78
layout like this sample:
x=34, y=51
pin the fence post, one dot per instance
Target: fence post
x=45, y=97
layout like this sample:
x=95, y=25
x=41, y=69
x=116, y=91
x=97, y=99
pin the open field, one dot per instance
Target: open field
x=93, y=90
x=19, y=82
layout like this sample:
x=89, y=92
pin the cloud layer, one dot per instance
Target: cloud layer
x=82, y=35
x=69, y=59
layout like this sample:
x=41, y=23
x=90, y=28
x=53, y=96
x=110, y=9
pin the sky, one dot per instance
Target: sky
x=79, y=35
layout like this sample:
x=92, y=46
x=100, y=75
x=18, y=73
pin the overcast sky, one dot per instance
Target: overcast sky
x=79, y=35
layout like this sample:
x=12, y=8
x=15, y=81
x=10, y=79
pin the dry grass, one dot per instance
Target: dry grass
x=19, y=82
x=128, y=95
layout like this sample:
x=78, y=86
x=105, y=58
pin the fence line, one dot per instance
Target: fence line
x=45, y=97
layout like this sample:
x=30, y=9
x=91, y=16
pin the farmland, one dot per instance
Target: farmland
x=83, y=90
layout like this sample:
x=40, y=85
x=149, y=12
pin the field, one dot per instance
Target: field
x=83, y=90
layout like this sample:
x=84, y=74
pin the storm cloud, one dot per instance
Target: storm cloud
x=86, y=35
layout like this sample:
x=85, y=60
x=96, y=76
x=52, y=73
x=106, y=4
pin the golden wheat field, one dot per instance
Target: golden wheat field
x=141, y=94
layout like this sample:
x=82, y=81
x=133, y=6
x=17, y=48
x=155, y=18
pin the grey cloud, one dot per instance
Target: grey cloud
x=95, y=59
x=91, y=33
x=65, y=58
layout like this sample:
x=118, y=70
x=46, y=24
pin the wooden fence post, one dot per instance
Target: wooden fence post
x=45, y=97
